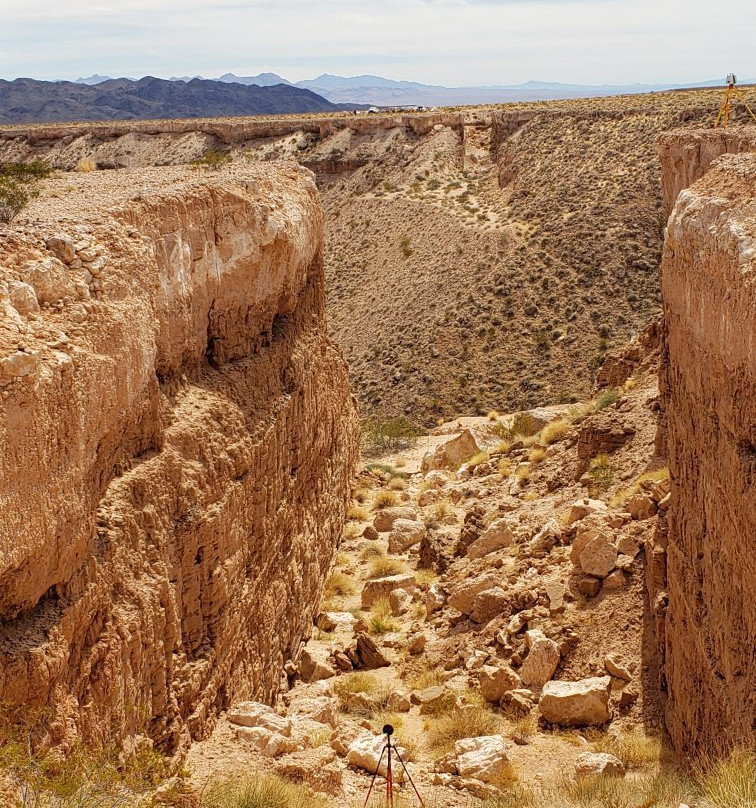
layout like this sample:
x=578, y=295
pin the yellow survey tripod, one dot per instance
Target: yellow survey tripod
x=723, y=116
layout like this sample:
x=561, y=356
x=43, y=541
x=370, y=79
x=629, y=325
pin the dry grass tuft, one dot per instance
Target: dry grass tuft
x=371, y=551
x=478, y=459
x=397, y=484
x=536, y=455
x=383, y=567
x=356, y=513
x=470, y=721
x=86, y=165
x=266, y=791
x=385, y=499
x=382, y=620
x=730, y=781
x=338, y=583
x=554, y=431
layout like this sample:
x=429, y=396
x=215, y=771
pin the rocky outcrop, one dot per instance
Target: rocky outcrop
x=686, y=157
x=177, y=440
x=703, y=599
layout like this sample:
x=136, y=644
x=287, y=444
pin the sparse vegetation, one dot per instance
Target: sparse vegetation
x=357, y=513
x=213, y=159
x=602, y=471
x=469, y=721
x=607, y=398
x=536, y=455
x=383, y=567
x=554, y=431
x=338, y=583
x=265, y=791
x=19, y=184
x=382, y=620
x=381, y=435
x=385, y=499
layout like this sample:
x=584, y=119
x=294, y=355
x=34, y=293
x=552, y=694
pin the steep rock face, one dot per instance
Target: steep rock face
x=176, y=441
x=687, y=158
x=703, y=600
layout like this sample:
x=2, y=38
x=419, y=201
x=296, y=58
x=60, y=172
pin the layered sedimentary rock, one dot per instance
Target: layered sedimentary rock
x=703, y=598
x=176, y=441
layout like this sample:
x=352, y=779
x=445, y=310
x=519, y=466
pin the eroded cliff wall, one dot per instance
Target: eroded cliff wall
x=704, y=598
x=177, y=437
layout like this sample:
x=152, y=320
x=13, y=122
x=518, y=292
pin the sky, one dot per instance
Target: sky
x=447, y=42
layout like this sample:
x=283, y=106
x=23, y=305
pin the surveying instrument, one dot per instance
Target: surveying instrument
x=723, y=116
x=389, y=747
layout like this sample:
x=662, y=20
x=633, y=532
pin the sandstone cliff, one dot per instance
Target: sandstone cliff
x=176, y=442
x=703, y=599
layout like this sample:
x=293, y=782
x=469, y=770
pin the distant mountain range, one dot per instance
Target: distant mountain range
x=31, y=101
x=386, y=92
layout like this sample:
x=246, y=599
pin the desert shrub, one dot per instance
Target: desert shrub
x=554, y=431
x=397, y=484
x=523, y=474
x=266, y=791
x=406, y=246
x=607, y=398
x=505, y=468
x=380, y=435
x=523, y=424
x=383, y=567
x=382, y=620
x=602, y=471
x=360, y=495
x=86, y=165
x=493, y=415
x=19, y=184
x=213, y=159
x=385, y=499
x=338, y=583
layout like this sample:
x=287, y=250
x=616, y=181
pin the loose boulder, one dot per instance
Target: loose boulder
x=576, y=704
x=452, y=454
x=542, y=659
x=404, y=534
x=599, y=557
x=254, y=714
x=462, y=596
x=496, y=681
x=382, y=588
x=590, y=764
x=365, y=753
x=483, y=758
x=496, y=536
x=384, y=520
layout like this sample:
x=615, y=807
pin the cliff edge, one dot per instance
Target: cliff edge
x=708, y=378
x=177, y=438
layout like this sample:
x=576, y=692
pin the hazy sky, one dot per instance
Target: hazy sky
x=451, y=42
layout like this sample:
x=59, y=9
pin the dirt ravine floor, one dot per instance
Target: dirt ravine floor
x=439, y=657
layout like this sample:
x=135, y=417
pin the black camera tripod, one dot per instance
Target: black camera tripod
x=388, y=747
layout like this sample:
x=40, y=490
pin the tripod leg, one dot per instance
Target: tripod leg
x=745, y=104
x=389, y=780
x=409, y=777
x=375, y=774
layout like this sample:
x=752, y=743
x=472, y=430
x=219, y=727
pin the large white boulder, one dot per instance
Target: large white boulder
x=271, y=744
x=542, y=659
x=483, y=758
x=576, y=704
x=255, y=714
x=365, y=752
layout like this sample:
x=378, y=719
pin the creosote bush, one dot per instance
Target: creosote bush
x=380, y=435
x=19, y=184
